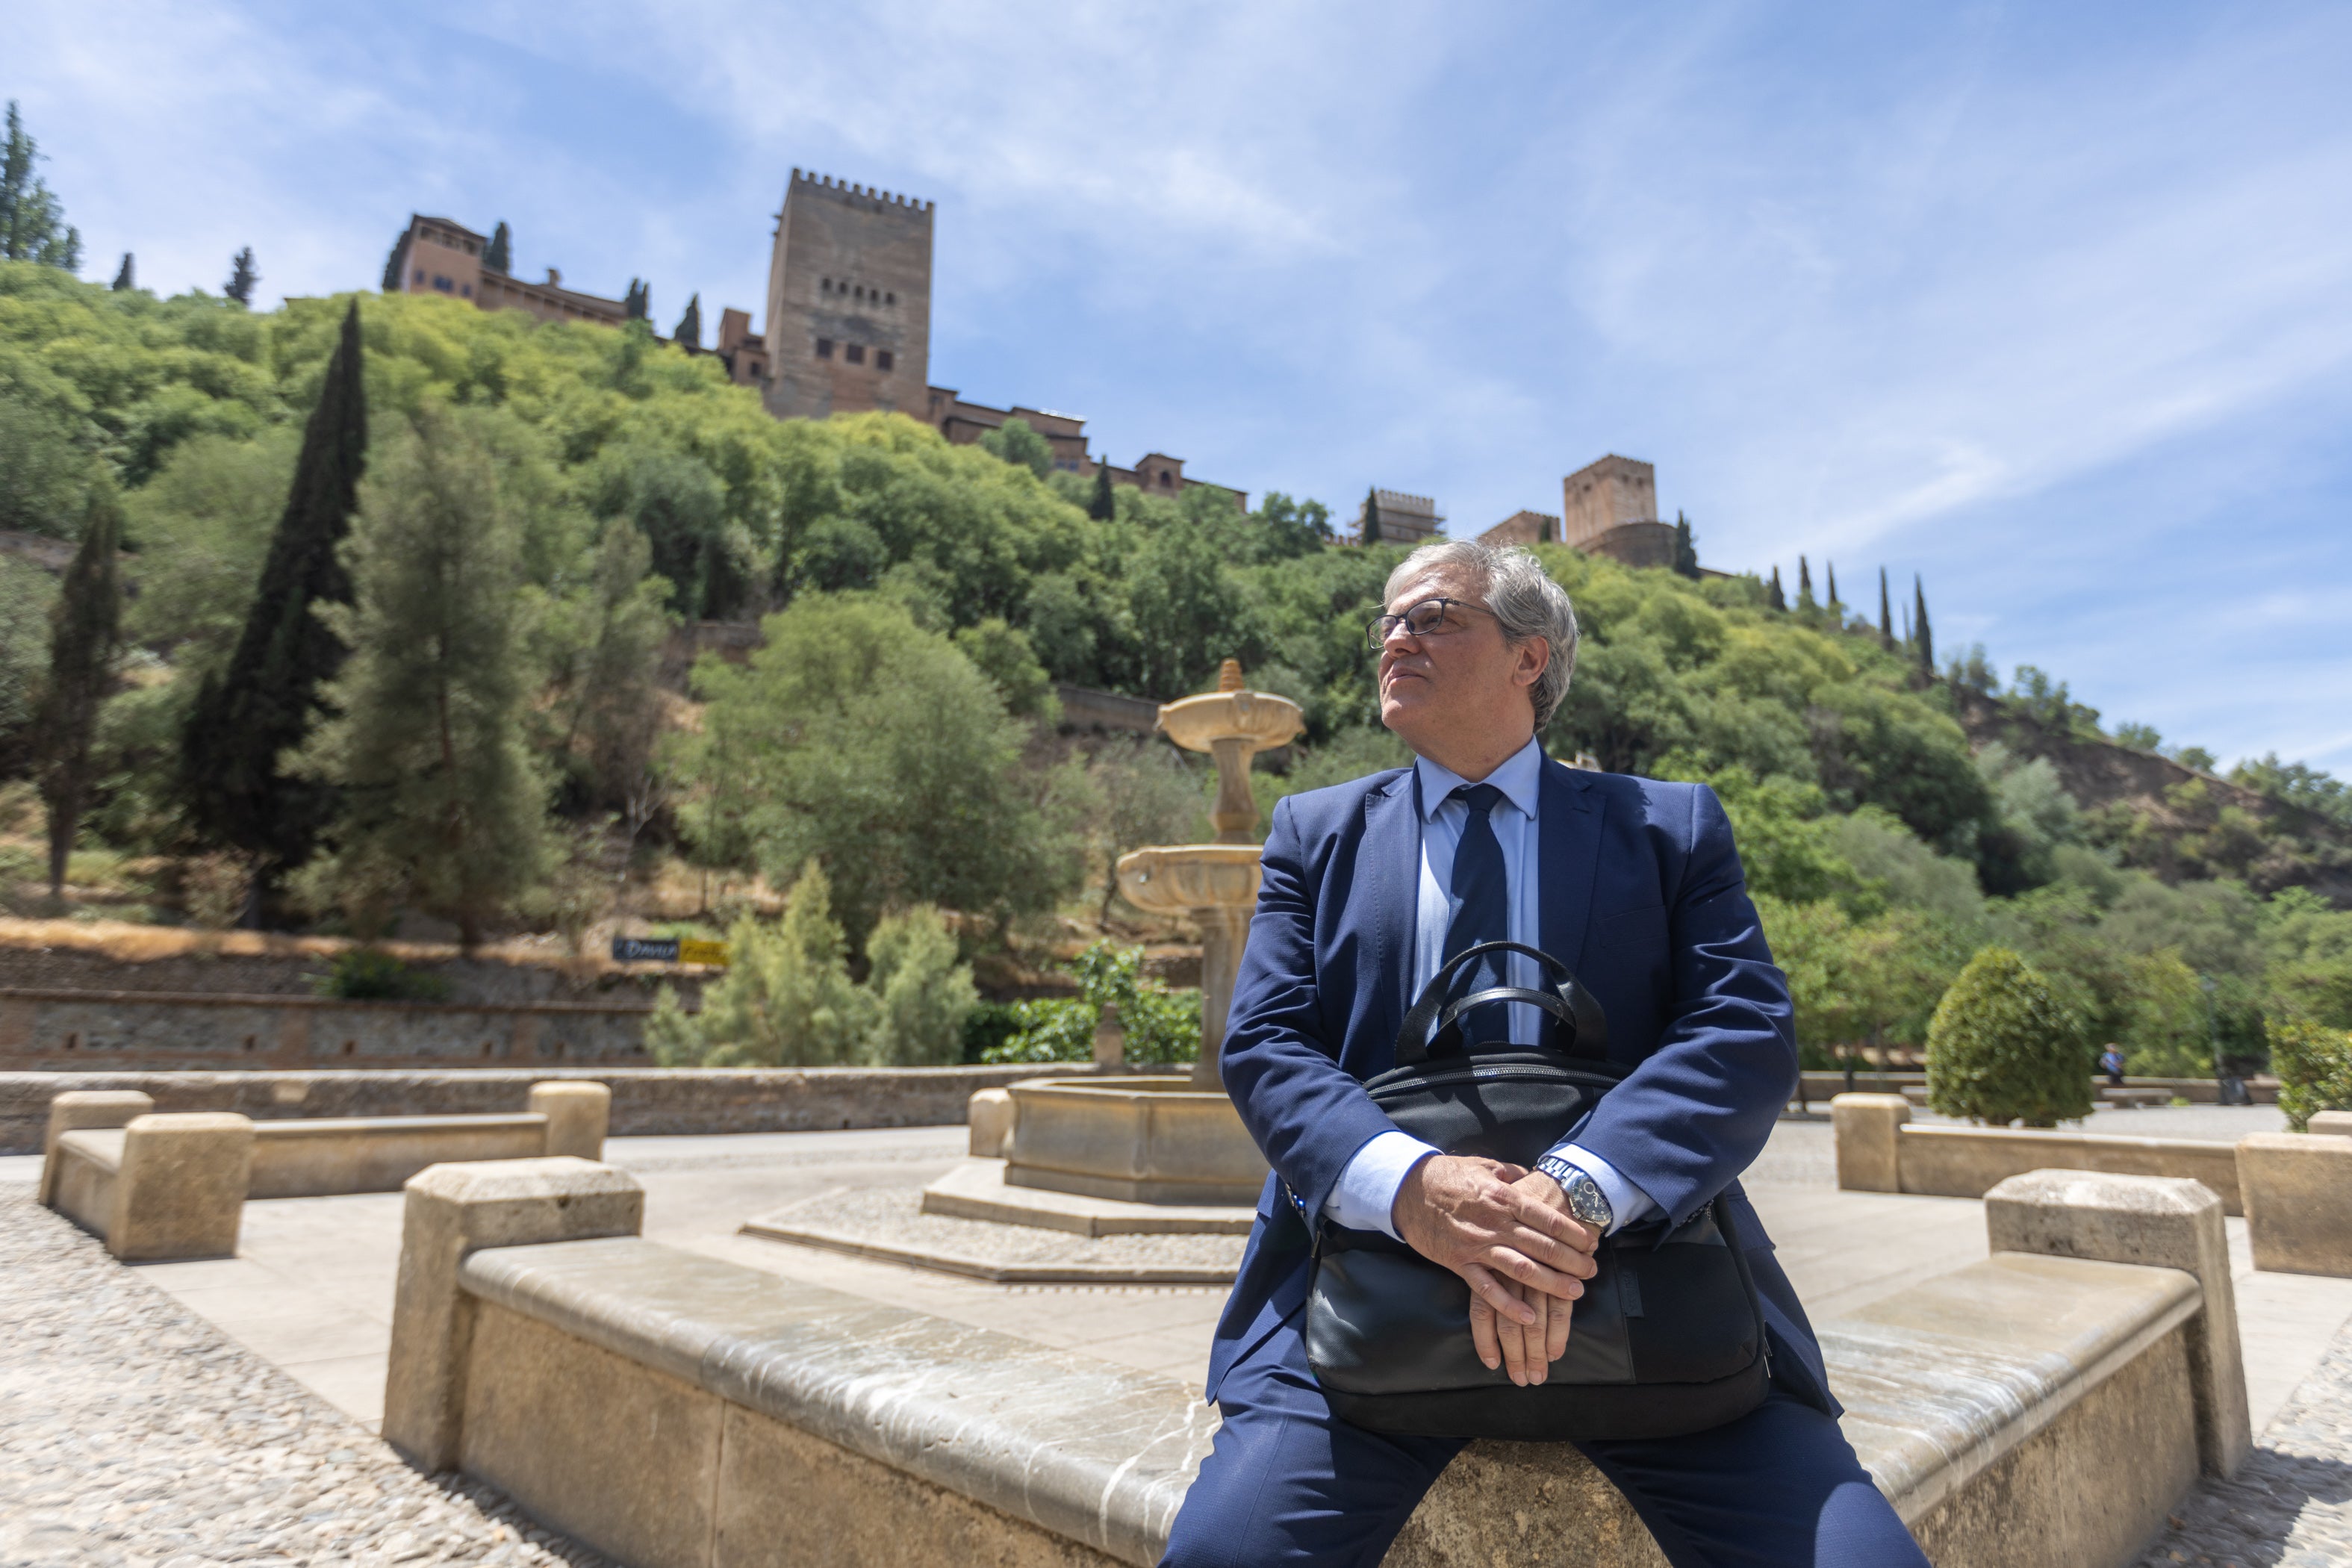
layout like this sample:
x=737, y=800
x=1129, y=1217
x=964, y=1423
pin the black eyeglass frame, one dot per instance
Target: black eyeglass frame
x=1382, y=627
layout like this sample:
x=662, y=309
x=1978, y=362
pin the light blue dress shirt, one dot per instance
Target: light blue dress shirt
x=1365, y=1192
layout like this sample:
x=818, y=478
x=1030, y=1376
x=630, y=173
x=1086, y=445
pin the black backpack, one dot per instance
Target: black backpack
x=1668, y=1337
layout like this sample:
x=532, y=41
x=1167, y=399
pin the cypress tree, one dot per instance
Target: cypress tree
x=395, y=266
x=1371, y=531
x=689, y=326
x=242, y=277
x=124, y=280
x=1773, y=595
x=1831, y=567
x=1103, y=507
x=1804, y=584
x=248, y=716
x=32, y=219
x=1925, y=638
x=1686, y=547
x=1885, y=616
x=82, y=641
x=499, y=255
x=638, y=303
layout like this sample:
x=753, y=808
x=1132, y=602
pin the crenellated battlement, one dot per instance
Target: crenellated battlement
x=845, y=190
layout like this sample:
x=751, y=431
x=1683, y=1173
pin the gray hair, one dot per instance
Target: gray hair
x=1520, y=596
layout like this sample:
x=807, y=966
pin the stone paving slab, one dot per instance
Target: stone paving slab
x=135, y=1435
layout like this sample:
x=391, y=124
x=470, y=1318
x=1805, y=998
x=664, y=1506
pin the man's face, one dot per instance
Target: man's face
x=1463, y=683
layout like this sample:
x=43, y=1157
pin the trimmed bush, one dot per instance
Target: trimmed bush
x=2313, y=1064
x=2001, y=1047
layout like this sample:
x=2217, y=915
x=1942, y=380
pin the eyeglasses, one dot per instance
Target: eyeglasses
x=1425, y=619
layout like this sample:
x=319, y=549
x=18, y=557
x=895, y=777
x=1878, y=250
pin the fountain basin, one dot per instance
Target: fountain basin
x=1141, y=1139
x=1264, y=721
x=1177, y=877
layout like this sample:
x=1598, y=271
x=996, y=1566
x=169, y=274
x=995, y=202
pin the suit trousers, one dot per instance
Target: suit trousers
x=1288, y=1482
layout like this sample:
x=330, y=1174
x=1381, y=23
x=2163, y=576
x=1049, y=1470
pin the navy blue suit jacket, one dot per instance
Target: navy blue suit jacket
x=1642, y=896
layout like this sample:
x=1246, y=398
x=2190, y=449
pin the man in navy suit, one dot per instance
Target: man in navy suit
x=1368, y=887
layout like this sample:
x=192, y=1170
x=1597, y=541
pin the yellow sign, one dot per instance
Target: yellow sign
x=691, y=950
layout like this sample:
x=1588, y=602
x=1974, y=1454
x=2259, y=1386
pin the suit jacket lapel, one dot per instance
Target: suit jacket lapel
x=1392, y=851
x=1568, y=849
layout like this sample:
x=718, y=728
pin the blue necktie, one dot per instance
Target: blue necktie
x=1481, y=890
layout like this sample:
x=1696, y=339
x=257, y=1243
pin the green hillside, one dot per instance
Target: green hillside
x=591, y=490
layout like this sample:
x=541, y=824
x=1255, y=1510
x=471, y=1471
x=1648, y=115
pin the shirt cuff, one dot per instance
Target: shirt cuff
x=1627, y=1202
x=1364, y=1197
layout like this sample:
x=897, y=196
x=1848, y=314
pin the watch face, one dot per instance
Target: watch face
x=1587, y=1202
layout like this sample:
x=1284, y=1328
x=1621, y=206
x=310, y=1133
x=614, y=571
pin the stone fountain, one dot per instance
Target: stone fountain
x=1216, y=883
x=1154, y=1153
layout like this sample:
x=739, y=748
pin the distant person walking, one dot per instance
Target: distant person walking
x=2111, y=1062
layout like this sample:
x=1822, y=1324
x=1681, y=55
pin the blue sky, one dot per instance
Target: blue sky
x=2052, y=305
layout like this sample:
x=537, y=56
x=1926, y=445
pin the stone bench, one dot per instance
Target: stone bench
x=2298, y=1188
x=538, y=1341
x=89, y=1147
x=159, y=1187
x=1880, y=1149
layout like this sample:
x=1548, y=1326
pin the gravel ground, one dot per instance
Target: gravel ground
x=135, y=1434
x=2291, y=1506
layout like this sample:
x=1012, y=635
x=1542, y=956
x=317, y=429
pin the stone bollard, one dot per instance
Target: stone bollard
x=1868, y=1131
x=180, y=1190
x=2331, y=1123
x=2166, y=1222
x=1110, y=1040
x=86, y=1107
x=454, y=1209
x=989, y=1115
x=577, y=1116
x=2297, y=1191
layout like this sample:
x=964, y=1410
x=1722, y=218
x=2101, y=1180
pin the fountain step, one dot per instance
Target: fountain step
x=977, y=1189
x=889, y=1226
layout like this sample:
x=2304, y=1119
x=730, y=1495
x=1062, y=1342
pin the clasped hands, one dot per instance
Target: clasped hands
x=1506, y=1231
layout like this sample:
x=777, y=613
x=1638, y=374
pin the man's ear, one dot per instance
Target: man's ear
x=1535, y=658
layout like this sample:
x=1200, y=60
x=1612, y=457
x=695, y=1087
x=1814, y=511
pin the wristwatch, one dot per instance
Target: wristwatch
x=1586, y=1201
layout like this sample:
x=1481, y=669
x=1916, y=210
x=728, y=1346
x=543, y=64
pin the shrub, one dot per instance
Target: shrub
x=2001, y=1048
x=787, y=999
x=1162, y=1026
x=2313, y=1064
x=924, y=994
x=371, y=974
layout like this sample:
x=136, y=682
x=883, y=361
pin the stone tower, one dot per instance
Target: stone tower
x=849, y=301
x=1601, y=496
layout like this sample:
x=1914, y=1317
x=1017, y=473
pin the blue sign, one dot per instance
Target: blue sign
x=644, y=950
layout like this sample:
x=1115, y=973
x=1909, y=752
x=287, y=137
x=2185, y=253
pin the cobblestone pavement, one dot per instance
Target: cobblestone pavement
x=2291, y=1506
x=133, y=1434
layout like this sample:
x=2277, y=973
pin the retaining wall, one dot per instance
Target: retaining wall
x=646, y=1100
x=44, y=1029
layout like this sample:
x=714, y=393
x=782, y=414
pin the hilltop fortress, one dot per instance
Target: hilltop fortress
x=848, y=325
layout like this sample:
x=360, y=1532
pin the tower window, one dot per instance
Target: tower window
x=889, y=299
x=824, y=286
x=882, y=360
x=824, y=348
x=859, y=291
x=854, y=354
x=420, y=274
